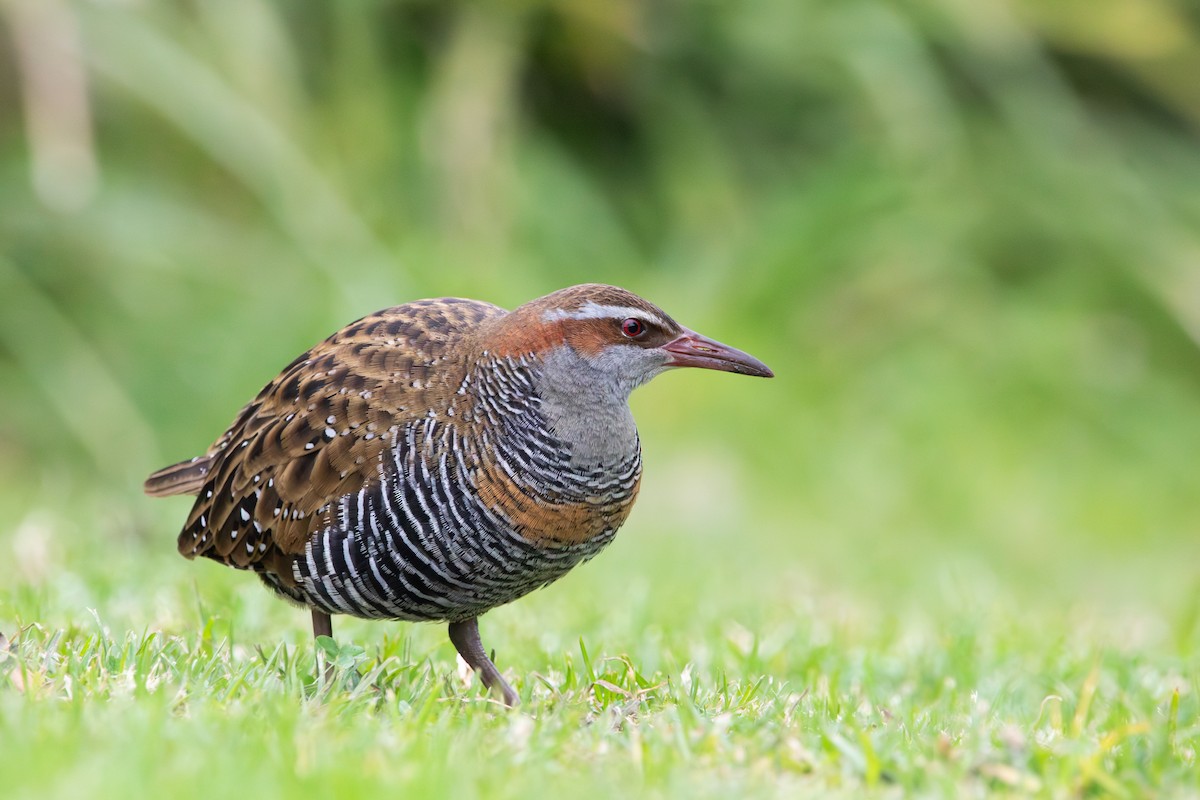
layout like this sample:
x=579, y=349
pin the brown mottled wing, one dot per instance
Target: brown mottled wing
x=317, y=432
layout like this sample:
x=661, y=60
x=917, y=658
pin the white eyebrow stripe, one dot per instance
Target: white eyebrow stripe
x=593, y=310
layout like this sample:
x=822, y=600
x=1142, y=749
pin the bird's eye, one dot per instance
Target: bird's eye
x=633, y=328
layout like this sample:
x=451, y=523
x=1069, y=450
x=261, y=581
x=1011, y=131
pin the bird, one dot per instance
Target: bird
x=440, y=458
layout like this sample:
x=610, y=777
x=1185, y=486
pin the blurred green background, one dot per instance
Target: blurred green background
x=966, y=235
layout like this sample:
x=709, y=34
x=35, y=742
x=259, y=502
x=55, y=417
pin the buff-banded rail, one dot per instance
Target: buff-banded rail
x=440, y=458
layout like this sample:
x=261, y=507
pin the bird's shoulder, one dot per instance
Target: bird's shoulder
x=317, y=431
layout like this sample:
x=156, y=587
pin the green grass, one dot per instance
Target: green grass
x=954, y=713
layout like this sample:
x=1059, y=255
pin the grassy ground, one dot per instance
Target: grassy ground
x=715, y=710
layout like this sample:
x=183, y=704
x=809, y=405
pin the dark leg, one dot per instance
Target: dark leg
x=323, y=626
x=465, y=636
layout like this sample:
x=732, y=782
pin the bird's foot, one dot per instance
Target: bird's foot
x=465, y=636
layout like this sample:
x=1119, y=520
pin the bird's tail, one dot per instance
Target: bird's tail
x=186, y=477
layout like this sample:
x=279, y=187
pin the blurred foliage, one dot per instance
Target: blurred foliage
x=965, y=234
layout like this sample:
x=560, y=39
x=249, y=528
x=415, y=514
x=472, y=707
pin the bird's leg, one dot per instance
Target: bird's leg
x=465, y=636
x=323, y=626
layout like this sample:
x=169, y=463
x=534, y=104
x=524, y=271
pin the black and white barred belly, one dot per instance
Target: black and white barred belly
x=420, y=545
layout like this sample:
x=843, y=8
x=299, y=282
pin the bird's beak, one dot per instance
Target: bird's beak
x=693, y=350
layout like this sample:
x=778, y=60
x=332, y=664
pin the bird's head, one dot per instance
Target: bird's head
x=598, y=335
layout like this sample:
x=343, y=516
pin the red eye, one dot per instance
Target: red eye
x=633, y=328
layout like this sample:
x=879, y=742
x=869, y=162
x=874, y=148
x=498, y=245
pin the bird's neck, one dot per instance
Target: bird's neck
x=560, y=399
x=559, y=463
x=586, y=409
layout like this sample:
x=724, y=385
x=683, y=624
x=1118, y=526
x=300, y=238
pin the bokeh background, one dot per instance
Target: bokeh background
x=966, y=235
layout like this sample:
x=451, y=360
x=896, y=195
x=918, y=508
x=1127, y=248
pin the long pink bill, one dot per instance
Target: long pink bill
x=693, y=350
